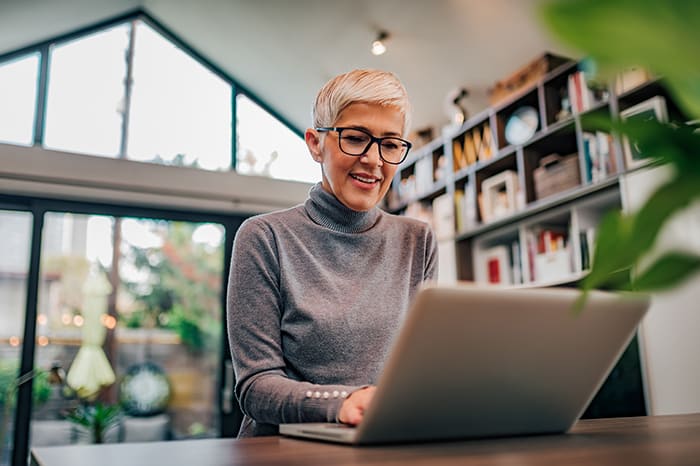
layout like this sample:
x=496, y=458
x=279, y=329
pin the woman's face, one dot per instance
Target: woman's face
x=359, y=182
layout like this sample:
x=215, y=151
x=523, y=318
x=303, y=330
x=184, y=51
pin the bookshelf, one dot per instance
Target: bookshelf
x=524, y=212
x=521, y=187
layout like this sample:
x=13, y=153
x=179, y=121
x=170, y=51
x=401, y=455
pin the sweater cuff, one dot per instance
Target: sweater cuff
x=327, y=400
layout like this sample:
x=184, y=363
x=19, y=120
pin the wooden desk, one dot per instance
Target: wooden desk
x=656, y=440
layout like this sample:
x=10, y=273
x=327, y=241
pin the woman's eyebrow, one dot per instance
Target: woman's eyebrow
x=364, y=128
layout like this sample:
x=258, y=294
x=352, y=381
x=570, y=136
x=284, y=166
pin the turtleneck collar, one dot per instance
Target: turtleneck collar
x=326, y=210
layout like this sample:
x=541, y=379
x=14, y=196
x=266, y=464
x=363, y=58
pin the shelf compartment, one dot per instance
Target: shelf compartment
x=561, y=143
x=530, y=99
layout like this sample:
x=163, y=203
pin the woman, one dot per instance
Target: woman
x=317, y=292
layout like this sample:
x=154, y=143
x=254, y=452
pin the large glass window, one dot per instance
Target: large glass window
x=16, y=232
x=180, y=110
x=267, y=147
x=86, y=93
x=144, y=323
x=18, y=83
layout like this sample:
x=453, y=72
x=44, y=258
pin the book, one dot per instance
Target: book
x=496, y=265
x=469, y=149
x=459, y=162
x=444, y=217
x=486, y=151
x=459, y=210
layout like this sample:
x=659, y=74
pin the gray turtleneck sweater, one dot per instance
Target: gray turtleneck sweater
x=316, y=295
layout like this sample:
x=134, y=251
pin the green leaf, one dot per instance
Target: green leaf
x=663, y=36
x=613, y=252
x=668, y=271
x=669, y=199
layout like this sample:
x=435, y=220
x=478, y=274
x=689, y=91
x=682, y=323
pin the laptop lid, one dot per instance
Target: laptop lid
x=485, y=361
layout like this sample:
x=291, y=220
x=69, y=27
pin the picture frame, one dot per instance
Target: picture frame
x=499, y=195
x=653, y=108
x=494, y=266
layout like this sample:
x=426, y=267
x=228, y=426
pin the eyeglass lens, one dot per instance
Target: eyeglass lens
x=356, y=142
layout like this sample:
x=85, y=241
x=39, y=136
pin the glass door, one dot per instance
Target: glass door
x=131, y=309
x=16, y=234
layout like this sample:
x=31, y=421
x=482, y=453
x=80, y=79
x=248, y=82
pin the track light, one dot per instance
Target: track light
x=379, y=46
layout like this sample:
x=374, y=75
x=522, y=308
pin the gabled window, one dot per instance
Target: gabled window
x=84, y=108
x=18, y=81
x=129, y=89
x=267, y=147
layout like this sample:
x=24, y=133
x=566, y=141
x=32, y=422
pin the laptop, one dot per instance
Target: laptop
x=475, y=362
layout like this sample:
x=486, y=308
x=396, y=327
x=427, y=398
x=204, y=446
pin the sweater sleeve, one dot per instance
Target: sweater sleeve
x=254, y=311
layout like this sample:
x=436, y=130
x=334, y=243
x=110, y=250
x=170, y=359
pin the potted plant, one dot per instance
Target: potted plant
x=95, y=419
x=662, y=37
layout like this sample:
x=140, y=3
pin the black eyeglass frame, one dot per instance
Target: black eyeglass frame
x=372, y=140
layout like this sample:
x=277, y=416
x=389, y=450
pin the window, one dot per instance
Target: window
x=86, y=93
x=16, y=231
x=164, y=322
x=18, y=81
x=267, y=147
x=180, y=110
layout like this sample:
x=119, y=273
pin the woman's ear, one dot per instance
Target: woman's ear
x=313, y=142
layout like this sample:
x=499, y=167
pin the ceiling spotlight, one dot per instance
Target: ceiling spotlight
x=379, y=46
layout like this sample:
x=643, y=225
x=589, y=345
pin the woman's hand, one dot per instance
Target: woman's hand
x=353, y=408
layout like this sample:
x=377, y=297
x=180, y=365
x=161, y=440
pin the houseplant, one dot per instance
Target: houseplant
x=95, y=419
x=662, y=37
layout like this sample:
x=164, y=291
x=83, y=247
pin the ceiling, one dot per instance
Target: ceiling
x=284, y=50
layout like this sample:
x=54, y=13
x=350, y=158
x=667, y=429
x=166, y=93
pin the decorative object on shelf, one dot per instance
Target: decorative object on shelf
x=499, y=195
x=144, y=390
x=650, y=109
x=522, y=125
x=556, y=174
x=630, y=78
x=564, y=104
x=525, y=76
x=495, y=266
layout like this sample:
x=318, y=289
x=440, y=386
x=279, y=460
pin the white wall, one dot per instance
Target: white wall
x=54, y=174
x=670, y=333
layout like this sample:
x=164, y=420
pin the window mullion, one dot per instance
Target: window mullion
x=234, y=127
x=42, y=91
x=128, y=85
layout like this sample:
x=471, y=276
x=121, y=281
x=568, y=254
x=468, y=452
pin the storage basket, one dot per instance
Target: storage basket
x=556, y=173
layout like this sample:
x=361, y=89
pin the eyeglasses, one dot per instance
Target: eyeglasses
x=356, y=142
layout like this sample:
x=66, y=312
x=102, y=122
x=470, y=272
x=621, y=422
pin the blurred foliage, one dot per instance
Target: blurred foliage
x=9, y=371
x=182, y=289
x=663, y=37
x=96, y=419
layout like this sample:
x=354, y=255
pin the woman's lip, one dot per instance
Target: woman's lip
x=365, y=176
x=363, y=184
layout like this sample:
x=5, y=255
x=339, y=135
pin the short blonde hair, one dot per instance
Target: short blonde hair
x=360, y=86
